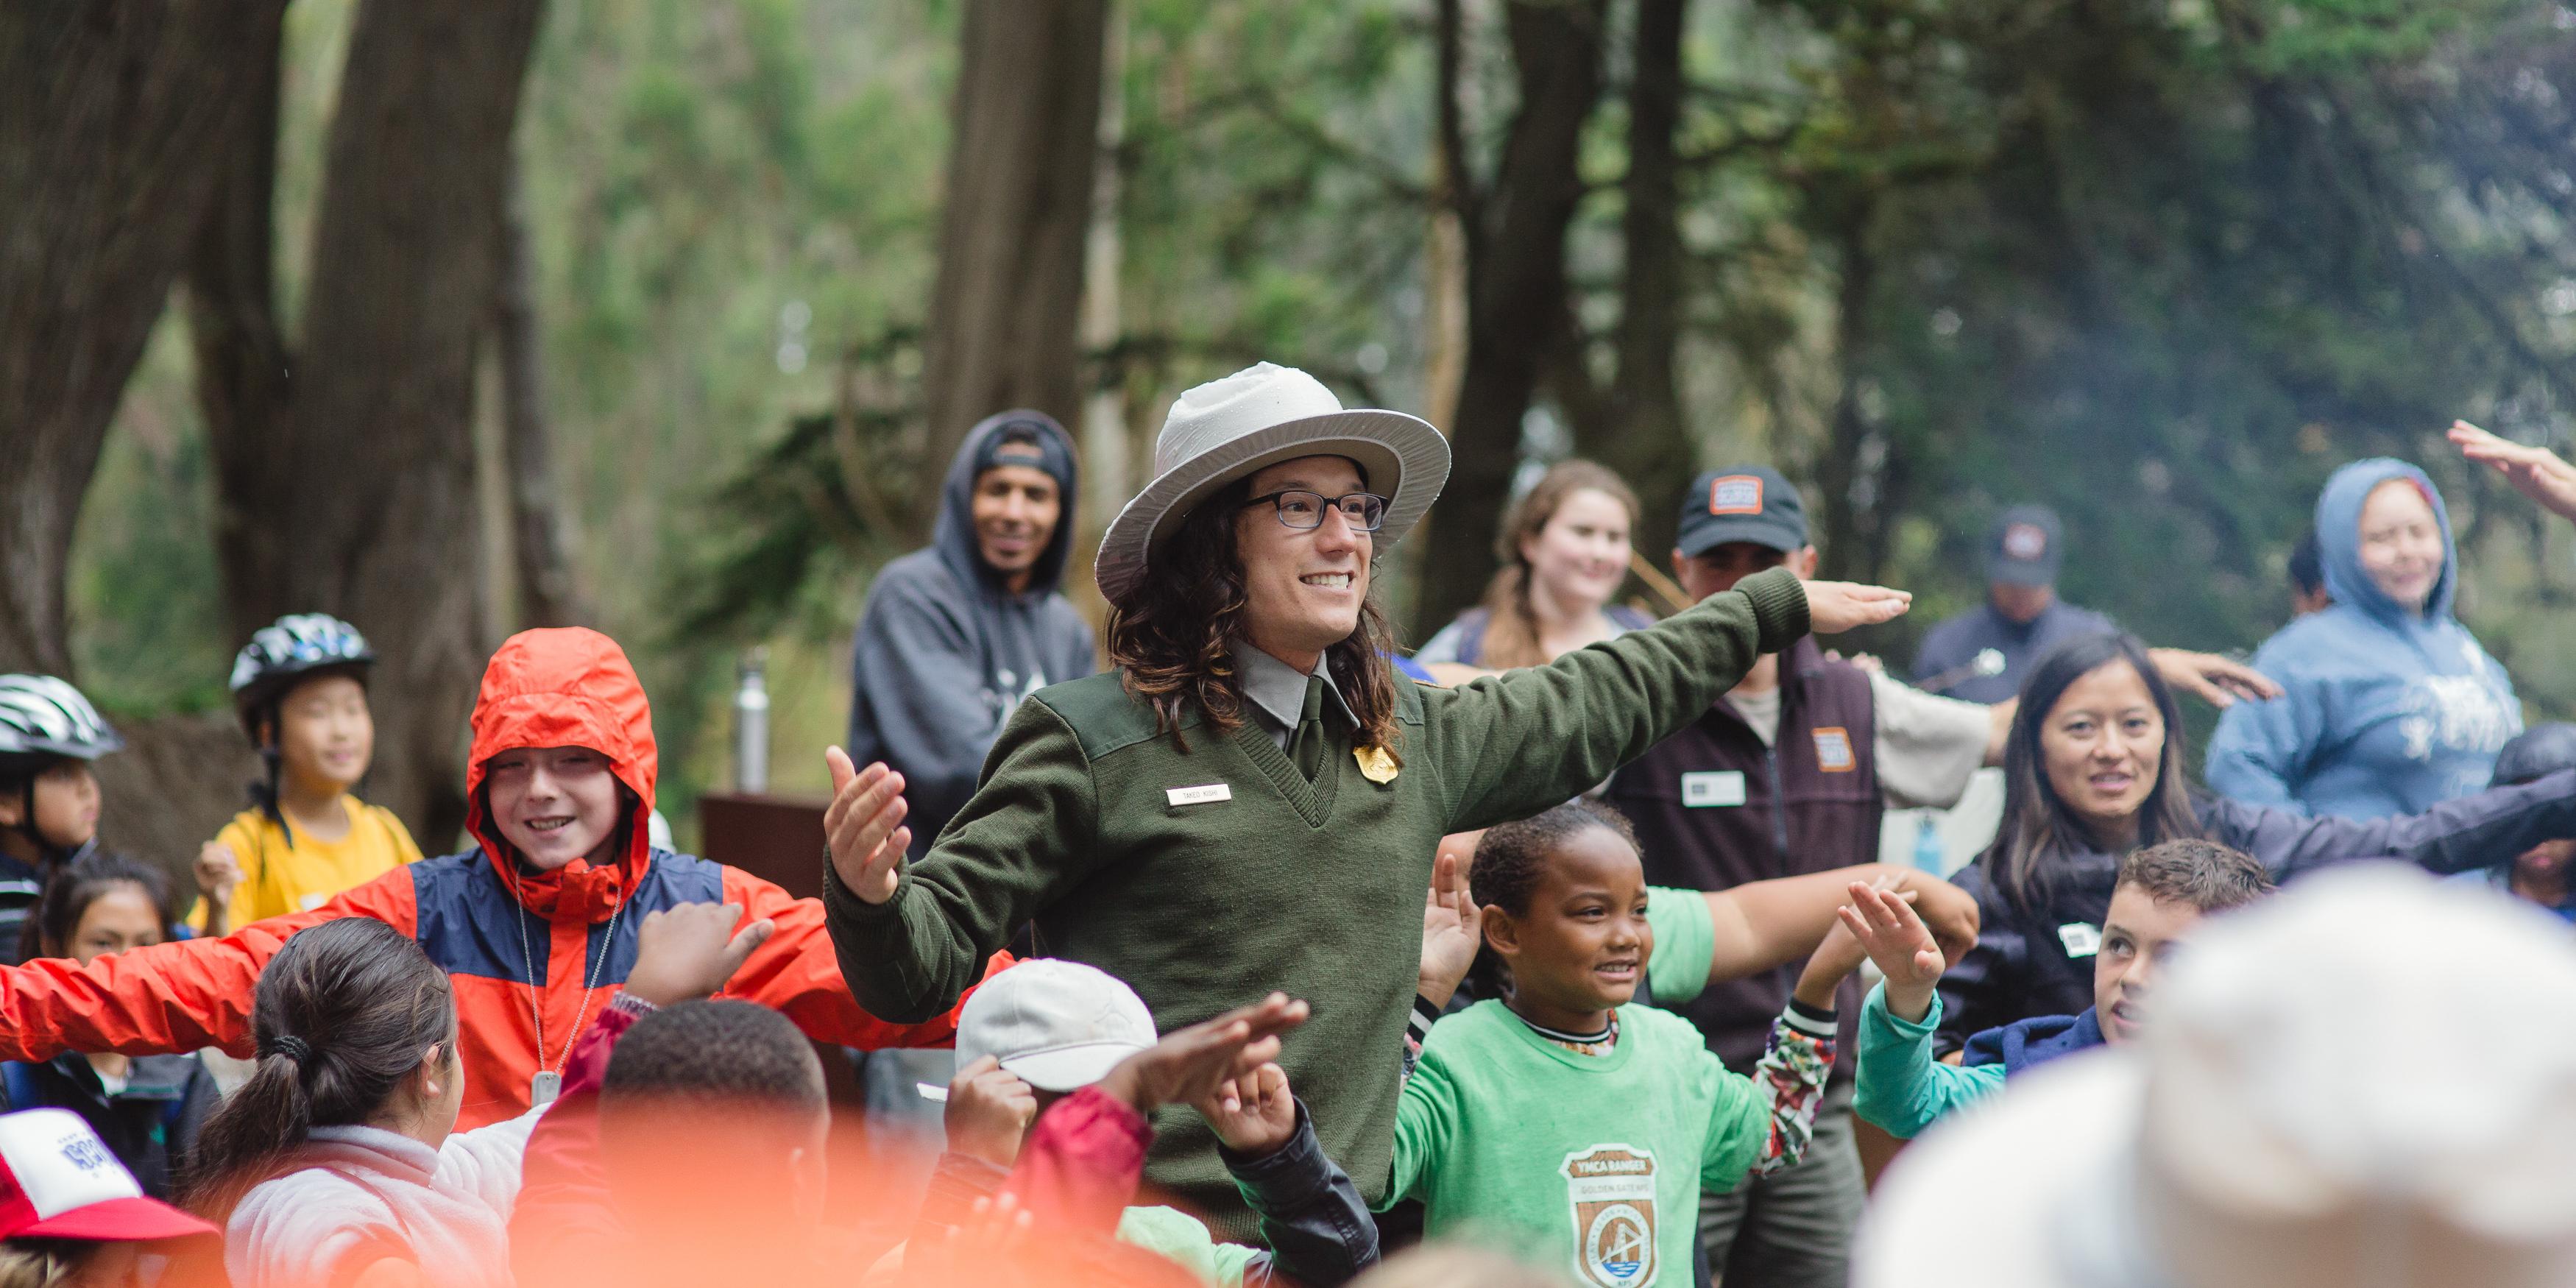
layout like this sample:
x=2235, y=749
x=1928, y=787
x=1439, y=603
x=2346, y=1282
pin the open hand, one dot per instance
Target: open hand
x=1898, y=943
x=989, y=1112
x=863, y=826
x=1453, y=927
x=2218, y=681
x=1837, y=606
x=2536, y=472
x=1949, y=912
x=1197, y=1062
x=688, y=951
x=1255, y=1114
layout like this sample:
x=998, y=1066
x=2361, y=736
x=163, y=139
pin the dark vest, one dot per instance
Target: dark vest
x=1714, y=808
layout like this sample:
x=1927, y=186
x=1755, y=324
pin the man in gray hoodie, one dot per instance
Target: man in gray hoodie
x=951, y=638
x=954, y=635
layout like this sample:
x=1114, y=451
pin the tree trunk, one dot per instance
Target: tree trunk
x=110, y=113
x=383, y=523
x=243, y=367
x=541, y=540
x=1849, y=537
x=1652, y=446
x=1005, y=312
x=1515, y=288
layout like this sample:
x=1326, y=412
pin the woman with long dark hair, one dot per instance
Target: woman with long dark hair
x=337, y=1155
x=2093, y=768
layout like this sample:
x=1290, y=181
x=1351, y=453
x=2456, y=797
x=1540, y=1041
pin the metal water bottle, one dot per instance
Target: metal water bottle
x=751, y=725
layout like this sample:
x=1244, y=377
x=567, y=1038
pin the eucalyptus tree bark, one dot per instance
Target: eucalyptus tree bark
x=1516, y=285
x=1006, y=308
x=109, y=115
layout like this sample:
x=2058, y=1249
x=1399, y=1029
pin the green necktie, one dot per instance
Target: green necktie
x=1306, y=746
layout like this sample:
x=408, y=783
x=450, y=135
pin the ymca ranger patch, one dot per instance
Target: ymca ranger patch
x=1612, y=1191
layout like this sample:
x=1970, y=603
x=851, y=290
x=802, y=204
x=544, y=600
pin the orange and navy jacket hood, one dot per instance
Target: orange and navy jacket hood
x=568, y=687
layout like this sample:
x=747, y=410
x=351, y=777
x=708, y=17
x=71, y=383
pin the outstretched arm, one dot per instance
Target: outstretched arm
x=2536, y=472
x=179, y=996
x=1763, y=924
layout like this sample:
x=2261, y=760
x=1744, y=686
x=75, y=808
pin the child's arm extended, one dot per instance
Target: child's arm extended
x=1704, y=938
x=1899, y=1086
x=1312, y=1217
x=1790, y=1078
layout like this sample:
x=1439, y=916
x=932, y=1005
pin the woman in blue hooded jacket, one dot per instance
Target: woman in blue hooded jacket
x=2390, y=706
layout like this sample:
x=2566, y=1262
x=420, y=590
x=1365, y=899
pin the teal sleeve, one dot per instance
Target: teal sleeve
x=1424, y=1119
x=1685, y=943
x=1898, y=1085
x=1739, y=1124
x=1508, y=746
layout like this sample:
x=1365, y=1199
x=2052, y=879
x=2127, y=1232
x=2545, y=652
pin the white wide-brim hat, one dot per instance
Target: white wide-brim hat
x=1264, y=414
x=2365, y=1080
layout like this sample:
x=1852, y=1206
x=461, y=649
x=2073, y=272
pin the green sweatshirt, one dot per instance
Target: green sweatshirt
x=1898, y=1085
x=1585, y=1164
x=1208, y=878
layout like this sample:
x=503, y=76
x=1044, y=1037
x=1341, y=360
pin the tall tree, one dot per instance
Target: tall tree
x=548, y=589
x=350, y=488
x=1515, y=233
x=109, y=115
x=1005, y=312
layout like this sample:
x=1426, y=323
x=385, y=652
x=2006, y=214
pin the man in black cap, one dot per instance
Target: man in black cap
x=1786, y=775
x=1789, y=774
x=1980, y=655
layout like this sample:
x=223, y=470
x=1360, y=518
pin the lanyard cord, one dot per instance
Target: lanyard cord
x=536, y=1004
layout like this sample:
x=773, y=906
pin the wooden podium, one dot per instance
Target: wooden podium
x=775, y=838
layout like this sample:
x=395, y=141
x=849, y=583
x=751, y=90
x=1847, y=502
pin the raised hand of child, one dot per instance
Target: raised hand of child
x=1949, y=912
x=1453, y=927
x=1897, y=941
x=1255, y=1114
x=218, y=871
x=989, y=1112
x=1196, y=1063
x=688, y=951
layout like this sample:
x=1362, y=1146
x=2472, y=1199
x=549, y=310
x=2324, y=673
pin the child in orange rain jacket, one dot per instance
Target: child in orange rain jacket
x=536, y=925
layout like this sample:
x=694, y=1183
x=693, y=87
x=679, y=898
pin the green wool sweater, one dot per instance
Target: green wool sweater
x=1209, y=877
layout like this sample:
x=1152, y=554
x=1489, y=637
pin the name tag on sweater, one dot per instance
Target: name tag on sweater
x=1713, y=787
x=1205, y=794
x=2082, y=939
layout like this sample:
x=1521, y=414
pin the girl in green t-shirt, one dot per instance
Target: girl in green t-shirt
x=1568, y=1124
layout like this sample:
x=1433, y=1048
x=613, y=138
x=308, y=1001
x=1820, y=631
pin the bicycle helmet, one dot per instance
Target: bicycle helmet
x=43, y=719
x=297, y=646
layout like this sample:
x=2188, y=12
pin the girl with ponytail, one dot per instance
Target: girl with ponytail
x=335, y=1162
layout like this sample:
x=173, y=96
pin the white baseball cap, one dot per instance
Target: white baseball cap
x=58, y=1181
x=1054, y=1024
x=2367, y=1080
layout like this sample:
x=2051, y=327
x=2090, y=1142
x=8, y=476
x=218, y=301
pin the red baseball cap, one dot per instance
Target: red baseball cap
x=58, y=1181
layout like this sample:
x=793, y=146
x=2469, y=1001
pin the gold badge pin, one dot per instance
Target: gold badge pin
x=1377, y=764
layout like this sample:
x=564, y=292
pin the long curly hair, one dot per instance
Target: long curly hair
x=1171, y=636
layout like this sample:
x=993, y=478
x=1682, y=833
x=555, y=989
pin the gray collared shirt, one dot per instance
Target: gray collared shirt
x=1278, y=692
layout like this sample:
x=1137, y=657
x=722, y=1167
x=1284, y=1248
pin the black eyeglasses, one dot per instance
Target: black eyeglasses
x=1304, y=510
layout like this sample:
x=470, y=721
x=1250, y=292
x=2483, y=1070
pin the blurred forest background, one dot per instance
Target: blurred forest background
x=456, y=316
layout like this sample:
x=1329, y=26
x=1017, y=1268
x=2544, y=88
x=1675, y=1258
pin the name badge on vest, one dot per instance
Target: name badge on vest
x=1710, y=788
x=1834, y=750
x=2082, y=939
x=1204, y=794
